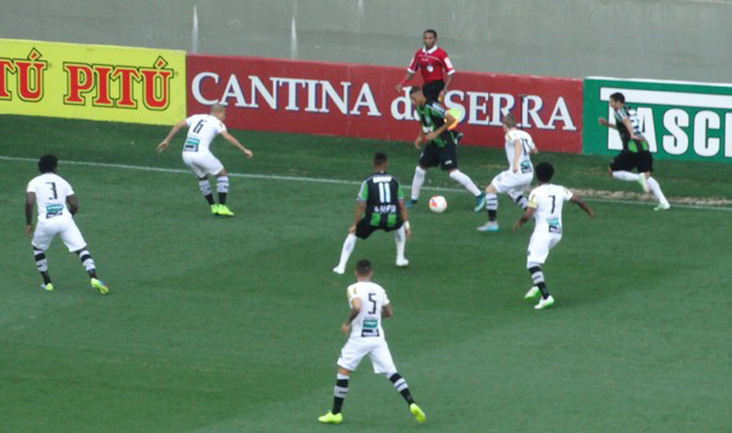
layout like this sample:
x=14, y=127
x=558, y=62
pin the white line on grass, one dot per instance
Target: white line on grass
x=320, y=180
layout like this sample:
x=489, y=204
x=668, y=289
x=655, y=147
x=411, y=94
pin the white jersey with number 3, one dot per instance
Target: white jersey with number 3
x=548, y=200
x=51, y=191
x=373, y=298
x=527, y=145
x=202, y=129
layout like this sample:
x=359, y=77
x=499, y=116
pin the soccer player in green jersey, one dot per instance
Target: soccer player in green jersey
x=440, y=148
x=380, y=206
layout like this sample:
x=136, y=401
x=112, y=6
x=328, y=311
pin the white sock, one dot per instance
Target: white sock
x=656, y=190
x=204, y=186
x=348, y=245
x=222, y=184
x=417, y=182
x=401, y=241
x=463, y=179
x=626, y=175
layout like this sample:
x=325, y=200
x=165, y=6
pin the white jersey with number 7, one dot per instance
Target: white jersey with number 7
x=548, y=200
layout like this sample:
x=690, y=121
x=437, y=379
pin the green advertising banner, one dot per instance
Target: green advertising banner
x=680, y=120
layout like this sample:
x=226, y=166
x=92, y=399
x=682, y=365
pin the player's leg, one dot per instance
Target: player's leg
x=400, y=237
x=193, y=161
x=363, y=231
x=222, y=188
x=74, y=241
x=645, y=168
x=205, y=186
x=40, y=244
x=491, y=205
x=621, y=168
x=420, y=172
x=519, y=197
x=340, y=391
x=449, y=162
x=383, y=363
x=539, y=247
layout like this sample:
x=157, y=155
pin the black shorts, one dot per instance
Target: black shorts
x=445, y=157
x=627, y=161
x=432, y=90
x=365, y=227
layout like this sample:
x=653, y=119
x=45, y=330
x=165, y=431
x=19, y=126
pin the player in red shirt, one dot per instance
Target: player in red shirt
x=433, y=63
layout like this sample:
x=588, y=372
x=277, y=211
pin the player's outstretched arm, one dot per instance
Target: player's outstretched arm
x=581, y=203
x=30, y=201
x=387, y=311
x=230, y=138
x=604, y=122
x=527, y=215
x=174, y=130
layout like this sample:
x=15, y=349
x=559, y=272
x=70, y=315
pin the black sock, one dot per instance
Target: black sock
x=538, y=278
x=401, y=385
x=42, y=265
x=339, y=394
x=209, y=199
x=492, y=215
x=46, y=278
x=222, y=198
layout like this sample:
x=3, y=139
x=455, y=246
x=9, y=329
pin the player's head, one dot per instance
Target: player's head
x=544, y=172
x=417, y=96
x=617, y=100
x=363, y=270
x=430, y=38
x=48, y=163
x=218, y=111
x=509, y=121
x=380, y=161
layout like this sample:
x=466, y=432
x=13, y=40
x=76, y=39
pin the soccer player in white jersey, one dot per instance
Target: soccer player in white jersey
x=369, y=304
x=518, y=177
x=56, y=203
x=202, y=129
x=545, y=205
x=635, y=153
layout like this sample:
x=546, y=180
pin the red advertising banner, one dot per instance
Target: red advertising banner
x=361, y=100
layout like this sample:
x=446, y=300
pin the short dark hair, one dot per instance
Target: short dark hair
x=414, y=89
x=380, y=158
x=617, y=96
x=544, y=172
x=510, y=120
x=434, y=33
x=47, y=163
x=363, y=267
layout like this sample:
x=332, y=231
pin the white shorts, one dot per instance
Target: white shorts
x=65, y=228
x=540, y=245
x=375, y=347
x=512, y=183
x=201, y=165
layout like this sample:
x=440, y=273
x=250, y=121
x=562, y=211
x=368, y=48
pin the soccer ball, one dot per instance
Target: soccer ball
x=438, y=204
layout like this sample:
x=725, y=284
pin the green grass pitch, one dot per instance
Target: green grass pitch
x=232, y=325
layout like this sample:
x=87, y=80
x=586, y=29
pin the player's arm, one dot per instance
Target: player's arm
x=174, y=130
x=445, y=89
x=360, y=207
x=527, y=215
x=30, y=201
x=387, y=311
x=629, y=127
x=449, y=120
x=517, y=151
x=231, y=139
x=420, y=138
x=581, y=203
x=408, y=76
x=355, y=309
x=73, y=204
x=604, y=122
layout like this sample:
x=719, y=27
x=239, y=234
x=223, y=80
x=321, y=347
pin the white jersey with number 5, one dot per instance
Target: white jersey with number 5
x=202, y=129
x=548, y=200
x=51, y=191
x=368, y=322
x=527, y=145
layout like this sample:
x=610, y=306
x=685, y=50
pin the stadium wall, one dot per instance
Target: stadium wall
x=361, y=101
x=669, y=39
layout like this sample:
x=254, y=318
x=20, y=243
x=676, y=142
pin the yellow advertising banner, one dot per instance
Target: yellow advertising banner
x=96, y=82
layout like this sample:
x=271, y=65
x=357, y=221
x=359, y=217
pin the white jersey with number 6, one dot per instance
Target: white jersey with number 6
x=51, y=191
x=202, y=129
x=368, y=322
x=548, y=200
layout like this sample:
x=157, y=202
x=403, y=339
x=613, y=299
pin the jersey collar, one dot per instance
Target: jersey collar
x=431, y=50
